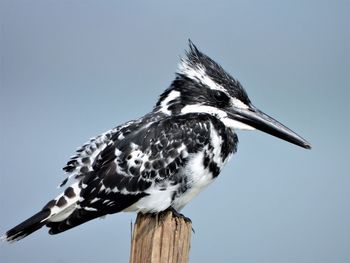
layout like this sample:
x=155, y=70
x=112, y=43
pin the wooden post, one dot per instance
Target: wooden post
x=160, y=238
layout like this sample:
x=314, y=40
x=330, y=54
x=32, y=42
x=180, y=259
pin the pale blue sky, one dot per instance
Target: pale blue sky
x=73, y=69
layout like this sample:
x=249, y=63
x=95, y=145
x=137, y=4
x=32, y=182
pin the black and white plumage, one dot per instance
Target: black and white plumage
x=163, y=159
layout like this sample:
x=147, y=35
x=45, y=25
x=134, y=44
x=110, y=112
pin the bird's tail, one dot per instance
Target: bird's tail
x=28, y=226
x=56, y=210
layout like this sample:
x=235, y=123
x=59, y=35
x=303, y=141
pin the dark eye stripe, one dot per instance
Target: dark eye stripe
x=221, y=97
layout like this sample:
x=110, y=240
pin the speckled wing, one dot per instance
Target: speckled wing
x=137, y=159
x=82, y=162
x=143, y=157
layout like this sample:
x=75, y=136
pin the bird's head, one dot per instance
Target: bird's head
x=203, y=86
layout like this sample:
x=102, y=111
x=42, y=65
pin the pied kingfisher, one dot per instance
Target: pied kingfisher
x=163, y=159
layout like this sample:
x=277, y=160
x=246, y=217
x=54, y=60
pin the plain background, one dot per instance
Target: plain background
x=73, y=69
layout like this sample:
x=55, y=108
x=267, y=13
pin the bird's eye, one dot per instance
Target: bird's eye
x=221, y=96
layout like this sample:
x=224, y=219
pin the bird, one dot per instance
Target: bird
x=165, y=158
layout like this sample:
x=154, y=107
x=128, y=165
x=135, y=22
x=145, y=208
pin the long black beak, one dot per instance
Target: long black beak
x=261, y=121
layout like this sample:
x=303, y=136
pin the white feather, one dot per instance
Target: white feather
x=198, y=74
x=220, y=114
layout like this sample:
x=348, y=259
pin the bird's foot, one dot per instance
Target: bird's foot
x=179, y=215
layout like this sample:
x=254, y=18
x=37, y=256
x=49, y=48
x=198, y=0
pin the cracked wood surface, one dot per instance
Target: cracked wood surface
x=160, y=238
